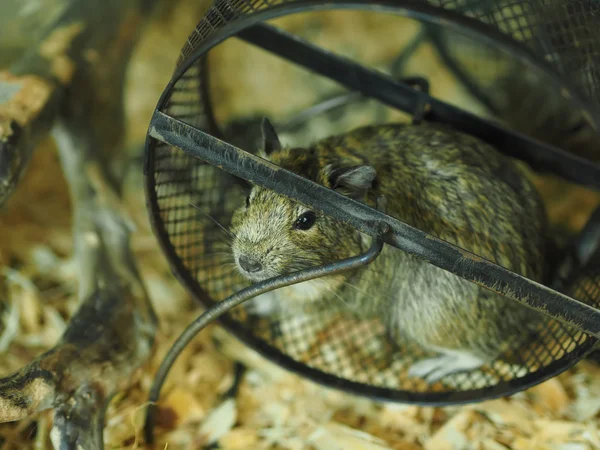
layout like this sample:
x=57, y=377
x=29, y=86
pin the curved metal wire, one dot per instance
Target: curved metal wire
x=440, y=253
x=195, y=51
x=241, y=296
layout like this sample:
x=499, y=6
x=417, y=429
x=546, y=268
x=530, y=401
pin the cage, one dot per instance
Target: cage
x=200, y=163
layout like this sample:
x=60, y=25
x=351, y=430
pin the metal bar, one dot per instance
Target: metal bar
x=440, y=42
x=222, y=307
x=367, y=220
x=375, y=84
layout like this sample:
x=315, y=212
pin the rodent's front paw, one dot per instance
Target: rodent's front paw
x=434, y=369
x=266, y=304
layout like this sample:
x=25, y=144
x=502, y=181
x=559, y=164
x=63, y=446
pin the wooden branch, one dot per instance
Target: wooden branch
x=89, y=46
x=27, y=107
x=30, y=95
x=112, y=332
x=110, y=335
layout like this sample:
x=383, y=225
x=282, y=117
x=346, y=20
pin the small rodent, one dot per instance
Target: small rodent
x=442, y=181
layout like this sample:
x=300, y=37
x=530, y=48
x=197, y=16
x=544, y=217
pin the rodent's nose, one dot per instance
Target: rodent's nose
x=249, y=265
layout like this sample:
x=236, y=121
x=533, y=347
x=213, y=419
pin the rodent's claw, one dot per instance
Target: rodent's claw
x=428, y=369
x=434, y=369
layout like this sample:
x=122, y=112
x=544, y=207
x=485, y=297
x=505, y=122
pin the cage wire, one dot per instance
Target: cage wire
x=191, y=202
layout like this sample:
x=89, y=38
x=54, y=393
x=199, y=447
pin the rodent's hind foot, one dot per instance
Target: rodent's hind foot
x=451, y=361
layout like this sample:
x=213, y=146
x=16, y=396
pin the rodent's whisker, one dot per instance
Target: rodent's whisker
x=224, y=271
x=306, y=259
x=223, y=239
x=228, y=232
x=332, y=291
x=357, y=289
x=216, y=257
x=220, y=253
x=295, y=267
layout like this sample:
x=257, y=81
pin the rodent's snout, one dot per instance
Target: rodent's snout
x=249, y=265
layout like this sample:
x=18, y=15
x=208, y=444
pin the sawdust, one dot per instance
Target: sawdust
x=274, y=409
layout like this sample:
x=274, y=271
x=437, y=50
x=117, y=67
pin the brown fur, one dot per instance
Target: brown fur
x=439, y=180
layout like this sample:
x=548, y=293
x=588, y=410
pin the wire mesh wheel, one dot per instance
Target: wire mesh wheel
x=191, y=196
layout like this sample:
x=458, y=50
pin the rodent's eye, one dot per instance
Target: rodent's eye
x=305, y=221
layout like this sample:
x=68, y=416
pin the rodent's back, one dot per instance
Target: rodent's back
x=457, y=188
x=462, y=190
x=451, y=185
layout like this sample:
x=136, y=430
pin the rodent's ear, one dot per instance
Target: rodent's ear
x=269, y=135
x=353, y=181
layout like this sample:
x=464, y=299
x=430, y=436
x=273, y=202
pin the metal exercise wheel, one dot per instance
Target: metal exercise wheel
x=191, y=164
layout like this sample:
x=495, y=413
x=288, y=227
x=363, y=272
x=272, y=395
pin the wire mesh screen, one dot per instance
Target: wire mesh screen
x=193, y=203
x=565, y=33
